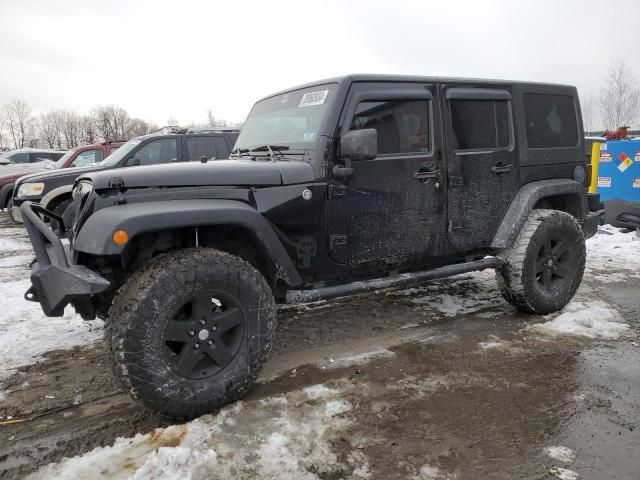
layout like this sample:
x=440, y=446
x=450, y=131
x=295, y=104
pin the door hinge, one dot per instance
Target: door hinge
x=454, y=226
x=337, y=240
x=336, y=190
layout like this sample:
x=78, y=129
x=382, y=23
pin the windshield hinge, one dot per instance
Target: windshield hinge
x=116, y=182
x=337, y=240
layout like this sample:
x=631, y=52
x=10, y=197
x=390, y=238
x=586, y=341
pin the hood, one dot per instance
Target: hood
x=59, y=173
x=12, y=176
x=213, y=173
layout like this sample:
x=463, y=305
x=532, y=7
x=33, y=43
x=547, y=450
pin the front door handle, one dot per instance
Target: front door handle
x=502, y=168
x=426, y=174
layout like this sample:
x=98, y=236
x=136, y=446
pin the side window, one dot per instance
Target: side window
x=201, y=146
x=21, y=157
x=551, y=121
x=402, y=125
x=480, y=124
x=158, y=151
x=222, y=151
x=87, y=157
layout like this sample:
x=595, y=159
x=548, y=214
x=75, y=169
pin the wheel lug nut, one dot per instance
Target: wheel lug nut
x=192, y=333
x=210, y=342
x=202, y=321
x=196, y=346
x=214, y=328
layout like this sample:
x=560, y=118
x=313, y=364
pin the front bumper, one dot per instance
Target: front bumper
x=55, y=280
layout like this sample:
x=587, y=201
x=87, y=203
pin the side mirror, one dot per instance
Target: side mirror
x=133, y=162
x=359, y=144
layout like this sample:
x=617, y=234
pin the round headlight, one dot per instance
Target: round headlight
x=30, y=189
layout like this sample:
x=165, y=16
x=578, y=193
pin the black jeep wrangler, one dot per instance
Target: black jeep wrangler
x=336, y=187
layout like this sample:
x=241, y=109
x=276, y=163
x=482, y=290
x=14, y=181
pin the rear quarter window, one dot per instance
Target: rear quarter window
x=551, y=120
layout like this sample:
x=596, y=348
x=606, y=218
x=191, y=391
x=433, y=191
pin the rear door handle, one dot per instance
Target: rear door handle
x=424, y=175
x=502, y=168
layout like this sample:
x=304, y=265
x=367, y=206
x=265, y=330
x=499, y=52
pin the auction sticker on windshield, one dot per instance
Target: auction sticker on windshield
x=313, y=98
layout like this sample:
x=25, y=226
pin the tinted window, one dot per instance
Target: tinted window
x=222, y=151
x=480, y=124
x=201, y=146
x=158, y=151
x=551, y=121
x=19, y=158
x=87, y=158
x=402, y=125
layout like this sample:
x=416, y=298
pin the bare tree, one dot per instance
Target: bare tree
x=212, y=121
x=50, y=127
x=19, y=122
x=112, y=122
x=619, y=100
x=589, y=113
x=88, y=131
x=138, y=127
x=2, y=126
x=71, y=132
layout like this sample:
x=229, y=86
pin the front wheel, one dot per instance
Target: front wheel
x=191, y=332
x=543, y=268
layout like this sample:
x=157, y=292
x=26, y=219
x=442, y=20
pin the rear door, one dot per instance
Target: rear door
x=482, y=161
x=198, y=146
x=391, y=205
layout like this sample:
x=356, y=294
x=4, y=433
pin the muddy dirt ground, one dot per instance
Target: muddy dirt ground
x=479, y=394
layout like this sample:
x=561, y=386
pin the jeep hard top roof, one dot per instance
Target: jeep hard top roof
x=366, y=77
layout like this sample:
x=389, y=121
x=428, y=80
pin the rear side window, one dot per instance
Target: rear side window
x=158, y=151
x=222, y=151
x=19, y=158
x=480, y=124
x=88, y=157
x=199, y=147
x=402, y=125
x=551, y=121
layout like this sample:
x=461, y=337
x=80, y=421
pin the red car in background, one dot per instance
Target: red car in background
x=76, y=157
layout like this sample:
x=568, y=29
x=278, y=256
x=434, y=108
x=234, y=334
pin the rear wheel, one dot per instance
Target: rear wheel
x=543, y=269
x=190, y=332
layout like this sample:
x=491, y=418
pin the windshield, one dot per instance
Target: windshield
x=120, y=153
x=292, y=119
x=63, y=159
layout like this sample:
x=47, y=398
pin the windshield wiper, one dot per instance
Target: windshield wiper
x=272, y=150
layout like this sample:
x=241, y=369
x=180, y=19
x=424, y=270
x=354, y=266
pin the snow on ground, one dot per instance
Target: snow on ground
x=287, y=436
x=590, y=320
x=611, y=250
x=357, y=359
x=560, y=453
x=25, y=333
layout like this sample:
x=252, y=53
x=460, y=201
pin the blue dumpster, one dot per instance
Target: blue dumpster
x=619, y=182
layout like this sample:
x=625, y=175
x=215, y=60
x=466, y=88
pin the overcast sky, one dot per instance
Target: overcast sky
x=162, y=59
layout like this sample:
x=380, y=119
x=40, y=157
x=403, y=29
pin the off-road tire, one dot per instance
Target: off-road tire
x=520, y=279
x=149, y=300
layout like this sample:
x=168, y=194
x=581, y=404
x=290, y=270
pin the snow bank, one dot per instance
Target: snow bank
x=26, y=334
x=290, y=438
x=613, y=256
x=590, y=320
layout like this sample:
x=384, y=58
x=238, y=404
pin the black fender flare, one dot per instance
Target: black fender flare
x=524, y=201
x=4, y=193
x=95, y=236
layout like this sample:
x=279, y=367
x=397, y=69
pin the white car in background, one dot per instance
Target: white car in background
x=30, y=159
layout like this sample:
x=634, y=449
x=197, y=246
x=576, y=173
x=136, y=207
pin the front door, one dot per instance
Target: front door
x=391, y=205
x=482, y=162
